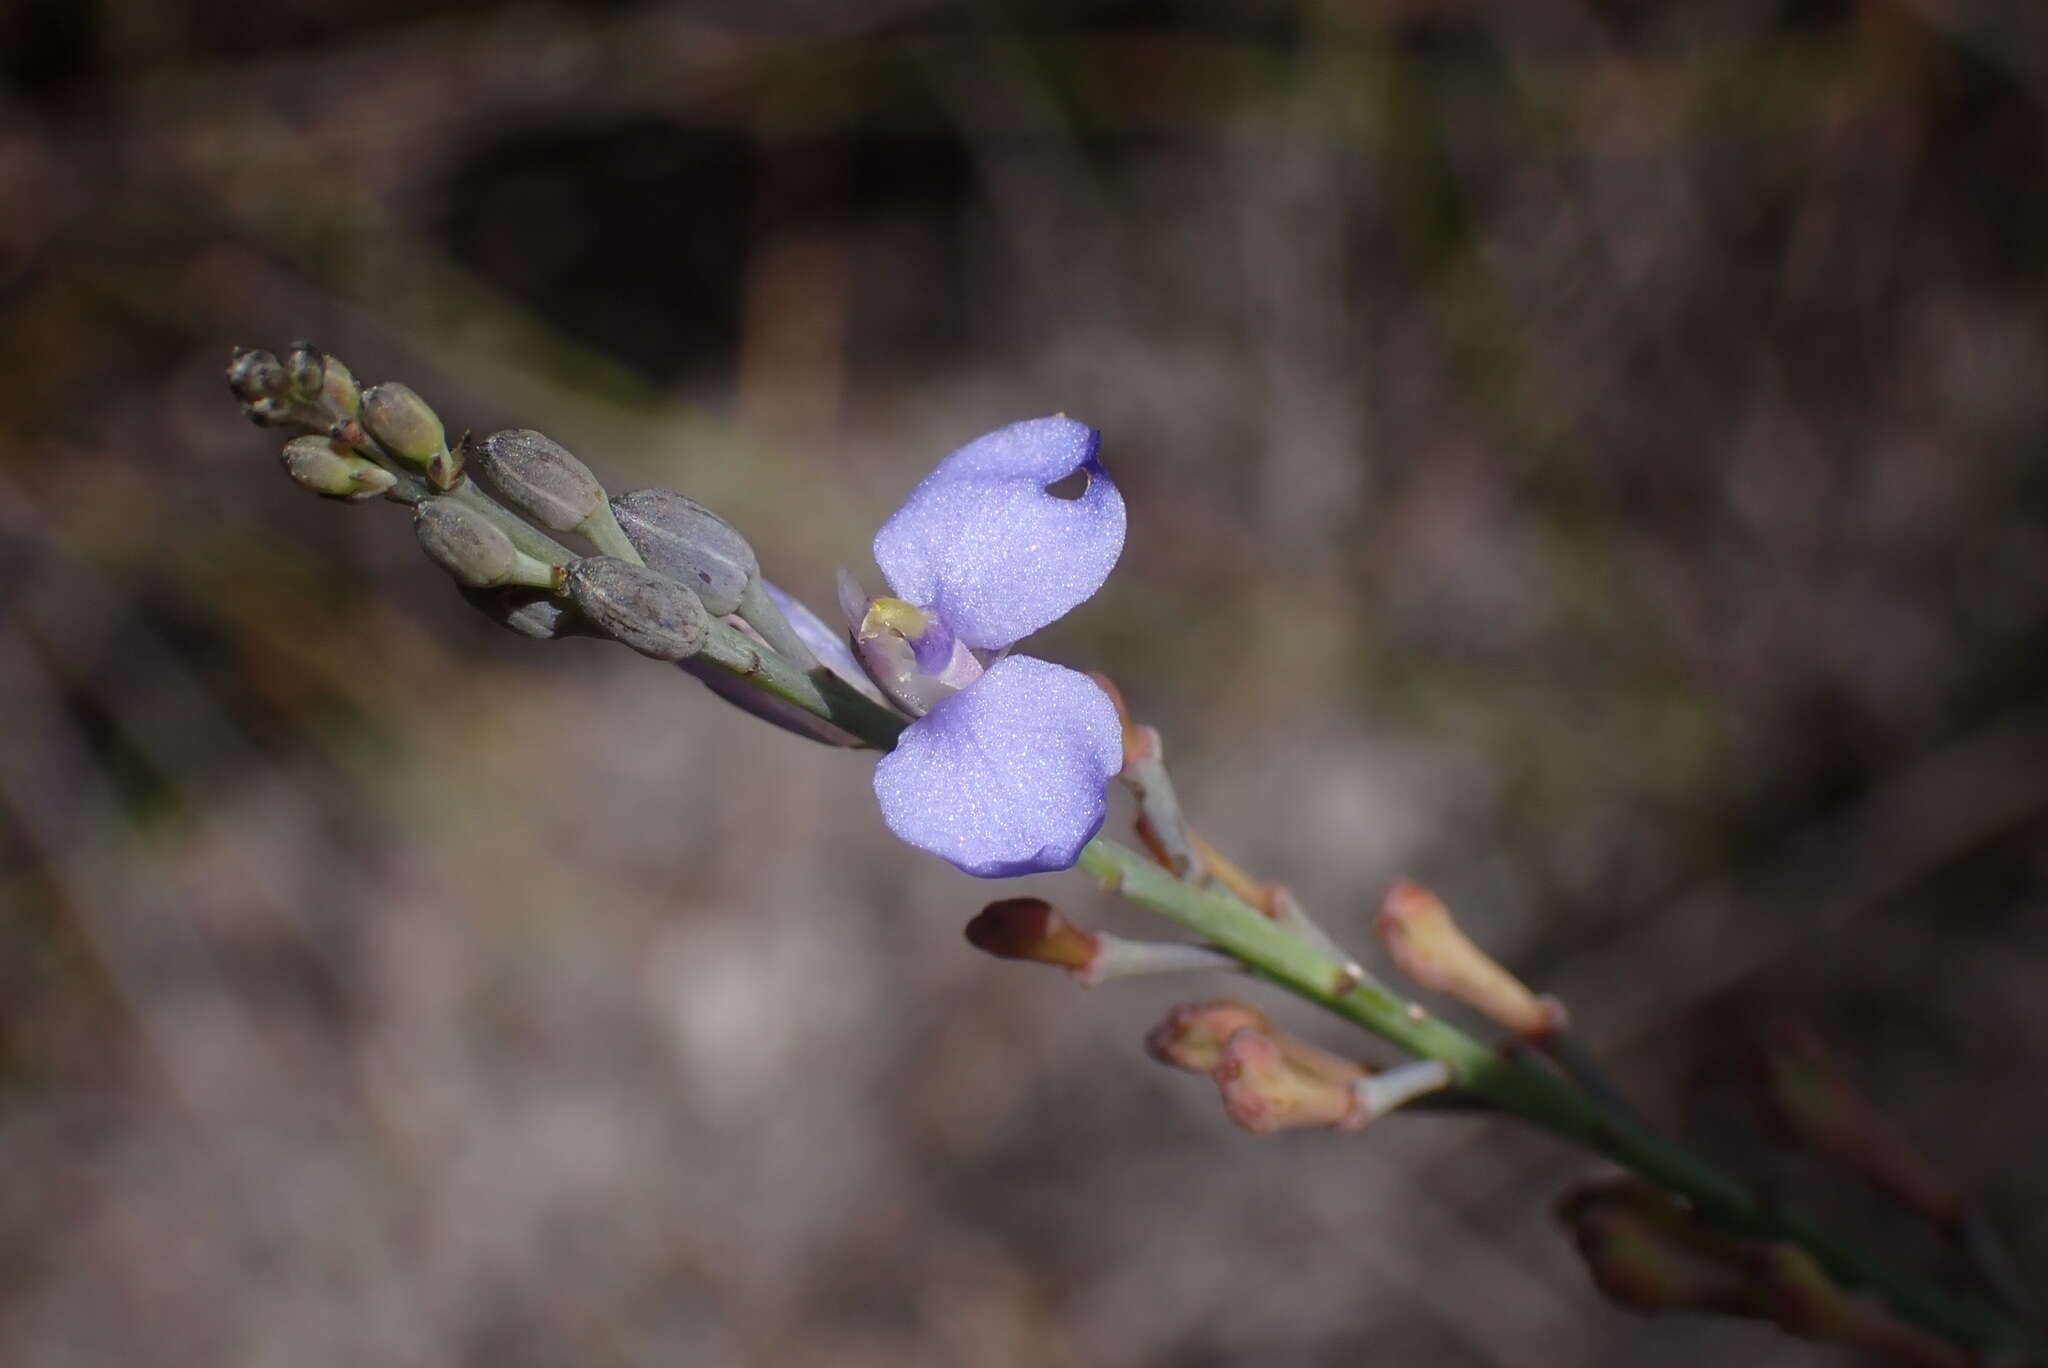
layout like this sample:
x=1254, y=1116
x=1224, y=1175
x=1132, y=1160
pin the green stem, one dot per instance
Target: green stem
x=603, y=530
x=817, y=691
x=1515, y=1084
x=760, y=613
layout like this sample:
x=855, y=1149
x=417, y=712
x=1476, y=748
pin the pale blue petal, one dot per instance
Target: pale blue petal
x=1008, y=776
x=980, y=542
x=828, y=644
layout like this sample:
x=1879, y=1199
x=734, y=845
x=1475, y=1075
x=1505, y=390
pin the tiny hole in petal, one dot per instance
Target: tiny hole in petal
x=1070, y=486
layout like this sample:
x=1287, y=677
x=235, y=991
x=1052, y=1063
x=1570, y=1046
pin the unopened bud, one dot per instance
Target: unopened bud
x=338, y=396
x=537, y=476
x=1428, y=946
x=306, y=366
x=334, y=471
x=1814, y=1105
x=1193, y=1035
x=1648, y=1253
x=473, y=549
x=690, y=544
x=406, y=427
x=533, y=613
x=1031, y=929
x=647, y=611
x=1264, y=1092
x=1802, y=1300
x=255, y=375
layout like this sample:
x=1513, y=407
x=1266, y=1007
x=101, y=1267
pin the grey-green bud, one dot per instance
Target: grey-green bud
x=330, y=469
x=338, y=392
x=532, y=613
x=256, y=375
x=472, y=548
x=540, y=478
x=690, y=544
x=406, y=427
x=647, y=611
x=306, y=366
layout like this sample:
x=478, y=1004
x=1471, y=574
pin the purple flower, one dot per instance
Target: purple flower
x=1005, y=770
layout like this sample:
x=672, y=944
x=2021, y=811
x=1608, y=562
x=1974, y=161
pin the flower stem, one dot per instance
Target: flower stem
x=1513, y=1083
x=817, y=691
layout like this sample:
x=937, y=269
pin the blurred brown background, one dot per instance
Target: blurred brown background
x=1587, y=456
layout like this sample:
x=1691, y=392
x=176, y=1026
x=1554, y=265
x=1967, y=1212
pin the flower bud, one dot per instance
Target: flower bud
x=1031, y=929
x=256, y=375
x=1193, y=1035
x=1813, y=1104
x=540, y=478
x=406, y=427
x=647, y=611
x=1648, y=1253
x=1428, y=946
x=472, y=548
x=334, y=471
x=306, y=366
x=270, y=412
x=338, y=395
x=533, y=613
x=1265, y=1093
x=690, y=544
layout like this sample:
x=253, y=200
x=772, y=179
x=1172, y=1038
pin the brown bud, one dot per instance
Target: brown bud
x=1031, y=929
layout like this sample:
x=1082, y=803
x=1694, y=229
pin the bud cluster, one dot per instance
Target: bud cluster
x=1270, y=1081
x=1649, y=1253
x=670, y=578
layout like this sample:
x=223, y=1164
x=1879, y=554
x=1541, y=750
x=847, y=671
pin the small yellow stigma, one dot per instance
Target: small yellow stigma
x=895, y=617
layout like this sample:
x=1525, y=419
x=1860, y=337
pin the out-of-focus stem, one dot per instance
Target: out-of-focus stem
x=1537, y=1095
x=1583, y=1069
